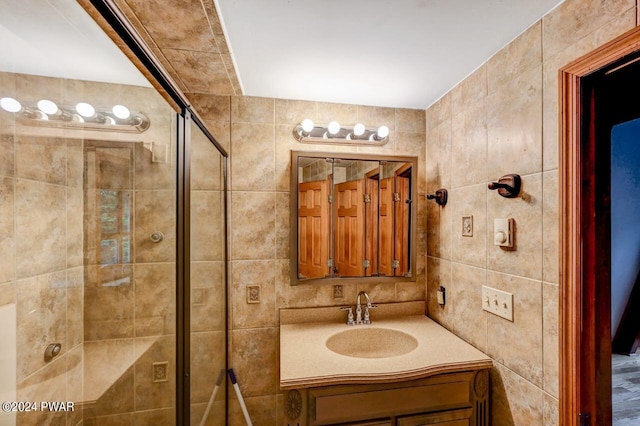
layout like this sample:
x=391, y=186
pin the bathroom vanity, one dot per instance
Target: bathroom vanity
x=402, y=369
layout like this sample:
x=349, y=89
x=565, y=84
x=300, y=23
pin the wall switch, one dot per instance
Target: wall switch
x=503, y=232
x=441, y=296
x=497, y=302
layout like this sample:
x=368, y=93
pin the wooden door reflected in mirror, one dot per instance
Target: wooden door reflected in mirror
x=352, y=217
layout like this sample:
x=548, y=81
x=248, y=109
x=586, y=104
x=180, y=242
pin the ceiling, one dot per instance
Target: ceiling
x=403, y=53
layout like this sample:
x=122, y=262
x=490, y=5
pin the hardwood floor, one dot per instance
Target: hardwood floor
x=626, y=389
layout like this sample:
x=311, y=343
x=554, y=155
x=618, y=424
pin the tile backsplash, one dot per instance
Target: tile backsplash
x=258, y=134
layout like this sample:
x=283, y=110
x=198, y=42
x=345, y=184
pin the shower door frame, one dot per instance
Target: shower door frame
x=107, y=14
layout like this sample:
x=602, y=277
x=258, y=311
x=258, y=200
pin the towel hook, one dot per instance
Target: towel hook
x=508, y=185
x=440, y=196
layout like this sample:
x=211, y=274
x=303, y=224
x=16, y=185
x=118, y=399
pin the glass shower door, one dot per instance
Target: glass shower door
x=87, y=226
x=207, y=309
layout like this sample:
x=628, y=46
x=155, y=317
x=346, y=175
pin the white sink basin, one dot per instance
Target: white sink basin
x=371, y=342
x=318, y=349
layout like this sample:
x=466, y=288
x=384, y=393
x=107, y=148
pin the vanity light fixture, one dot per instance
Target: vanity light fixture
x=14, y=106
x=48, y=107
x=81, y=116
x=52, y=111
x=383, y=132
x=10, y=105
x=334, y=133
x=333, y=128
x=86, y=110
x=121, y=112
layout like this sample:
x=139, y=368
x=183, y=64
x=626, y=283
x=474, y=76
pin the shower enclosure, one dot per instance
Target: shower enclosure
x=112, y=234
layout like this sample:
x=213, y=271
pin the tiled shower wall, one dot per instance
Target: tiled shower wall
x=41, y=211
x=504, y=119
x=258, y=134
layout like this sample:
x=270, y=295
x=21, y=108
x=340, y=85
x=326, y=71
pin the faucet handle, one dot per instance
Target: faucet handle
x=367, y=319
x=350, y=320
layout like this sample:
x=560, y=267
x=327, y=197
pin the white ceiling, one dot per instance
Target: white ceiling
x=57, y=38
x=396, y=53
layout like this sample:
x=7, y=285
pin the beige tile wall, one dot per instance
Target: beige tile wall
x=258, y=134
x=504, y=119
x=195, y=52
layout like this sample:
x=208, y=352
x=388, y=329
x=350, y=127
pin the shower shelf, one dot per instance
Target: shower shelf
x=107, y=360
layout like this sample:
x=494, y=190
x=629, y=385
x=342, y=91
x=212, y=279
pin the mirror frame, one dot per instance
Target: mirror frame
x=293, y=232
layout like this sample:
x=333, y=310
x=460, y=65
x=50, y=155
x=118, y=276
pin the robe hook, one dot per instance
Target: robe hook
x=508, y=186
x=440, y=196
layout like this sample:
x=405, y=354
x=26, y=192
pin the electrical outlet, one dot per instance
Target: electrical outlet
x=497, y=302
x=338, y=292
x=253, y=294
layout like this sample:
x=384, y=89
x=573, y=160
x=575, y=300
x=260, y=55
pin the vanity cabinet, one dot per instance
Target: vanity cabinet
x=452, y=399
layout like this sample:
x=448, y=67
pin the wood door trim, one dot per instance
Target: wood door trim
x=570, y=220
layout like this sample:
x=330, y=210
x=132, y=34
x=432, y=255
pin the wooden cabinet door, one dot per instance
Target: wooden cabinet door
x=371, y=226
x=313, y=229
x=394, y=226
x=402, y=225
x=349, y=228
x=386, y=226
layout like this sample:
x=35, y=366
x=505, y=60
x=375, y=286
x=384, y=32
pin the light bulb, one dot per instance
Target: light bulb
x=10, y=105
x=358, y=129
x=383, y=132
x=85, y=109
x=47, y=106
x=121, y=111
x=334, y=127
x=307, y=125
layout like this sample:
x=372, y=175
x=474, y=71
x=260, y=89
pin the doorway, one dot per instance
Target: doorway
x=597, y=94
x=612, y=128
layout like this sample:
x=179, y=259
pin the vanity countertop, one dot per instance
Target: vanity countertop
x=305, y=360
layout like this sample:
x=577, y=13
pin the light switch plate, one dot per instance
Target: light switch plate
x=497, y=302
x=503, y=232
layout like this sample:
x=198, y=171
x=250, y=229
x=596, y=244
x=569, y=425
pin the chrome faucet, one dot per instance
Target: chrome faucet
x=359, y=318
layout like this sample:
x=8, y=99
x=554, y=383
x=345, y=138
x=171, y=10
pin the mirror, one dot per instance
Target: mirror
x=353, y=217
